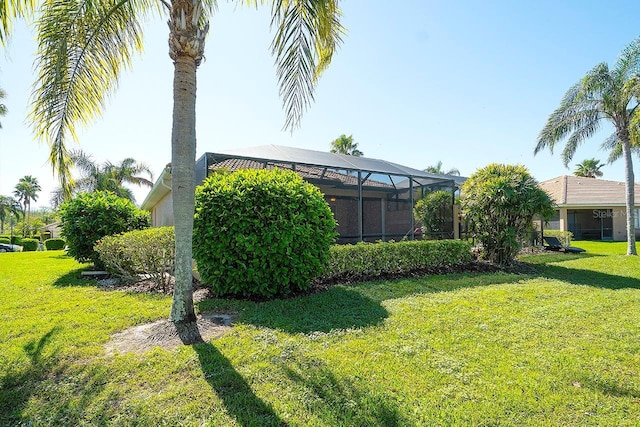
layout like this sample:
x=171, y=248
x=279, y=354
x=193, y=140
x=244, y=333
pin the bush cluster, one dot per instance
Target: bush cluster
x=30, y=245
x=261, y=233
x=374, y=259
x=54, y=244
x=435, y=212
x=5, y=240
x=149, y=252
x=91, y=216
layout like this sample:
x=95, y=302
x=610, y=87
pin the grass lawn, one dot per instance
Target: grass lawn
x=561, y=347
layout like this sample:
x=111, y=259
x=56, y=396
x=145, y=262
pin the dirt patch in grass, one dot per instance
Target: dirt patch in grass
x=168, y=335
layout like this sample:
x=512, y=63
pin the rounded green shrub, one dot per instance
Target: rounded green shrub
x=435, y=212
x=90, y=216
x=54, y=244
x=30, y=245
x=5, y=240
x=260, y=233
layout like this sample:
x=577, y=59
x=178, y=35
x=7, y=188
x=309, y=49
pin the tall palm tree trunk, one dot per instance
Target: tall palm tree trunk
x=183, y=157
x=186, y=48
x=629, y=195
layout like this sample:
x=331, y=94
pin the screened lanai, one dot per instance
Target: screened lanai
x=371, y=199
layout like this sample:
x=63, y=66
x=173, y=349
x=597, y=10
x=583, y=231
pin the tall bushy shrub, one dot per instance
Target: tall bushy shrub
x=149, y=252
x=499, y=202
x=260, y=233
x=91, y=216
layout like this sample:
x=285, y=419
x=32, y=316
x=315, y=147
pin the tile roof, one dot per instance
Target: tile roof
x=569, y=190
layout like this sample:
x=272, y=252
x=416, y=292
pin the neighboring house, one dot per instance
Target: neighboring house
x=592, y=209
x=371, y=199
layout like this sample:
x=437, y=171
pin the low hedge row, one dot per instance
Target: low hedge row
x=30, y=245
x=16, y=240
x=374, y=259
x=54, y=244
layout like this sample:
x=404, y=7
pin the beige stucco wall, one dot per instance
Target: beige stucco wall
x=162, y=212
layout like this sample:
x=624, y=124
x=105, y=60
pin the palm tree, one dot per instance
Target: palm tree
x=8, y=206
x=589, y=168
x=84, y=46
x=26, y=191
x=437, y=168
x=602, y=94
x=345, y=145
x=109, y=176
x=3, y=108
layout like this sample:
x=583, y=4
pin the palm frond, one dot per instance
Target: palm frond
x=10, y=10
x=83, y=47
x=307, y=34
x=628, y=63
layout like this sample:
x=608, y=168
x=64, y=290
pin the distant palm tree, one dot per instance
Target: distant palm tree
x=603, y=94
x=110, y=177
x=437, y=168
x=3, y=108
x=345, y=145
x=589, y=168
x=27, y=191
x=8, y=206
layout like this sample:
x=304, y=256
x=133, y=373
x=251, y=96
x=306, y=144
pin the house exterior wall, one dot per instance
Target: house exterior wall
x=615, y=217
x=162, y=212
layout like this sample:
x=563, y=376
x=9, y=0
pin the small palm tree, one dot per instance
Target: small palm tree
x=8, y=206
x=109, y=176
x=604, y=94
x=3, y=108
x=437, y=168
x=27, y=191
x=345, y=145
x=589, y=168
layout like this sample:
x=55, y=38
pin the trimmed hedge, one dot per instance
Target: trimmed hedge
x=30, y=245
x=150, y=252
x=5, y=240
x=54, y=244
x=260, y=233
x=373, y=259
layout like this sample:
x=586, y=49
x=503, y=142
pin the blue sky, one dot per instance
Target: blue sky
x=464, y=82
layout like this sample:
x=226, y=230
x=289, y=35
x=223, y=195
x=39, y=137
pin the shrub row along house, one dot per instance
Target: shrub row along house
x=592, y=209
x=371, y=199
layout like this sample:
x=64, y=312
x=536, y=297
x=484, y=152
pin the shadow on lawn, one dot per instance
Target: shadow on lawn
x=336, y=308
x=341, y=401
x=18, y=383
x=73, y=278
x=238, y=398
x=587, y=277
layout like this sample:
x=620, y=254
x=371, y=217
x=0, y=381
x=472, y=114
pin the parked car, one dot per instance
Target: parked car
x=5, y=247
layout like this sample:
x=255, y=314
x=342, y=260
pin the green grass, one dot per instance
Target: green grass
x=557, y=348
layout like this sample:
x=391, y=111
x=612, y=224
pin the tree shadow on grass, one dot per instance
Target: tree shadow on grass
x=588, y=277
x=354, y=306
x=236, y=394
x=546, y=268
x=19, y=382
x=74, y=278
x=341, y=401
